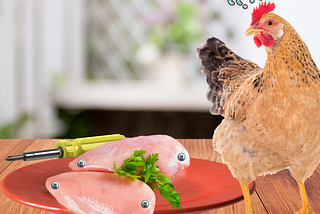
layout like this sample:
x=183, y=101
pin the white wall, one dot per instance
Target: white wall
x=7, y=98
x=32, y=50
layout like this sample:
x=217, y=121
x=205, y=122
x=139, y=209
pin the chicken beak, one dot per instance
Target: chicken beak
x=252, y=30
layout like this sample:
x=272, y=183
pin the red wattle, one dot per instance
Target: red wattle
x=266, y=39
x=257, y=41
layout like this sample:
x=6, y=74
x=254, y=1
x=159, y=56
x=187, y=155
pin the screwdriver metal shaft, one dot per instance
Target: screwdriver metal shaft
x=36, y=155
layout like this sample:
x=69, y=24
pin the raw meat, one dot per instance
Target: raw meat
x=99, y=192
x=102, y=157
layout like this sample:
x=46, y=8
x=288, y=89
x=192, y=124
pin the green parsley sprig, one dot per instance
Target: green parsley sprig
x=138, y=167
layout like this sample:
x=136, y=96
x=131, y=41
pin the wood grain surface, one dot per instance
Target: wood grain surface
x=278, y=193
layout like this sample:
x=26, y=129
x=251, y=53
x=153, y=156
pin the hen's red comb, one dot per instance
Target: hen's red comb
x=261, y=10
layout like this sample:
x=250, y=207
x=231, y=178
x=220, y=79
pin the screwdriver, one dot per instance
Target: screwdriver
x=66, y=148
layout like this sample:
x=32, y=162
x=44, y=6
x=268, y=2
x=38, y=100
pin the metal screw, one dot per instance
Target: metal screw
x=145, y=203
x=55, y=185
x=81, y=163
x=181, y=156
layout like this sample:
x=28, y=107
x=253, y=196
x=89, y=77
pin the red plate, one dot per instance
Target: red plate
x=204, y=185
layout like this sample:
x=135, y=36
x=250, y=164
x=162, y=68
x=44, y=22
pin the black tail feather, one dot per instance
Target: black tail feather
x=212, y=55
x=225, y=72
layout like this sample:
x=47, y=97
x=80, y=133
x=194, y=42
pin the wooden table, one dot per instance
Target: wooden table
x=278, y=194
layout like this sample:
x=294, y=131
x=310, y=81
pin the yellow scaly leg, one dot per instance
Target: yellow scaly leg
x=247, y=199
x=306, y=209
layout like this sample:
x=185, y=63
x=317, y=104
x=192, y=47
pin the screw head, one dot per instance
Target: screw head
x=145, y=203
x=55, y=185
x=81, y=163
x=181, y=157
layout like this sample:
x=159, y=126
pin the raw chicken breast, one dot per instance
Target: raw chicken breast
x=99, y=192
x=173, y=157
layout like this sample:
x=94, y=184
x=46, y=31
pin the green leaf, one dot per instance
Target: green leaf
x=123, y=173
x=162, y=179
x=168, y=192
x=152, y=159
x=137, y=167
x=139, y=153
x=115, y=168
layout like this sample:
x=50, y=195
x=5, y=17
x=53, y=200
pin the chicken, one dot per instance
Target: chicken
x=271, y=114
x=173, y=157
x=99, y=192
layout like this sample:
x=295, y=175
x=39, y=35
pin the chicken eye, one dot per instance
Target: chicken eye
x=81, y=163
x=270, y=23
x=181, y=157
x=55, y=185
x=145, y=203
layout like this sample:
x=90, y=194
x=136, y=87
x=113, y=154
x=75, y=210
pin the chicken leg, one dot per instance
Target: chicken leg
x=247, y=199
x=306, y=209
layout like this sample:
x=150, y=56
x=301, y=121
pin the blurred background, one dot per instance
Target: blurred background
x=75, y=68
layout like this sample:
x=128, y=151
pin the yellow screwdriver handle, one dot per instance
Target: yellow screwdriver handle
x=81, y=145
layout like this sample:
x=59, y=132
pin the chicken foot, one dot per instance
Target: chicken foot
x=247, y=199
x=306, y=209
